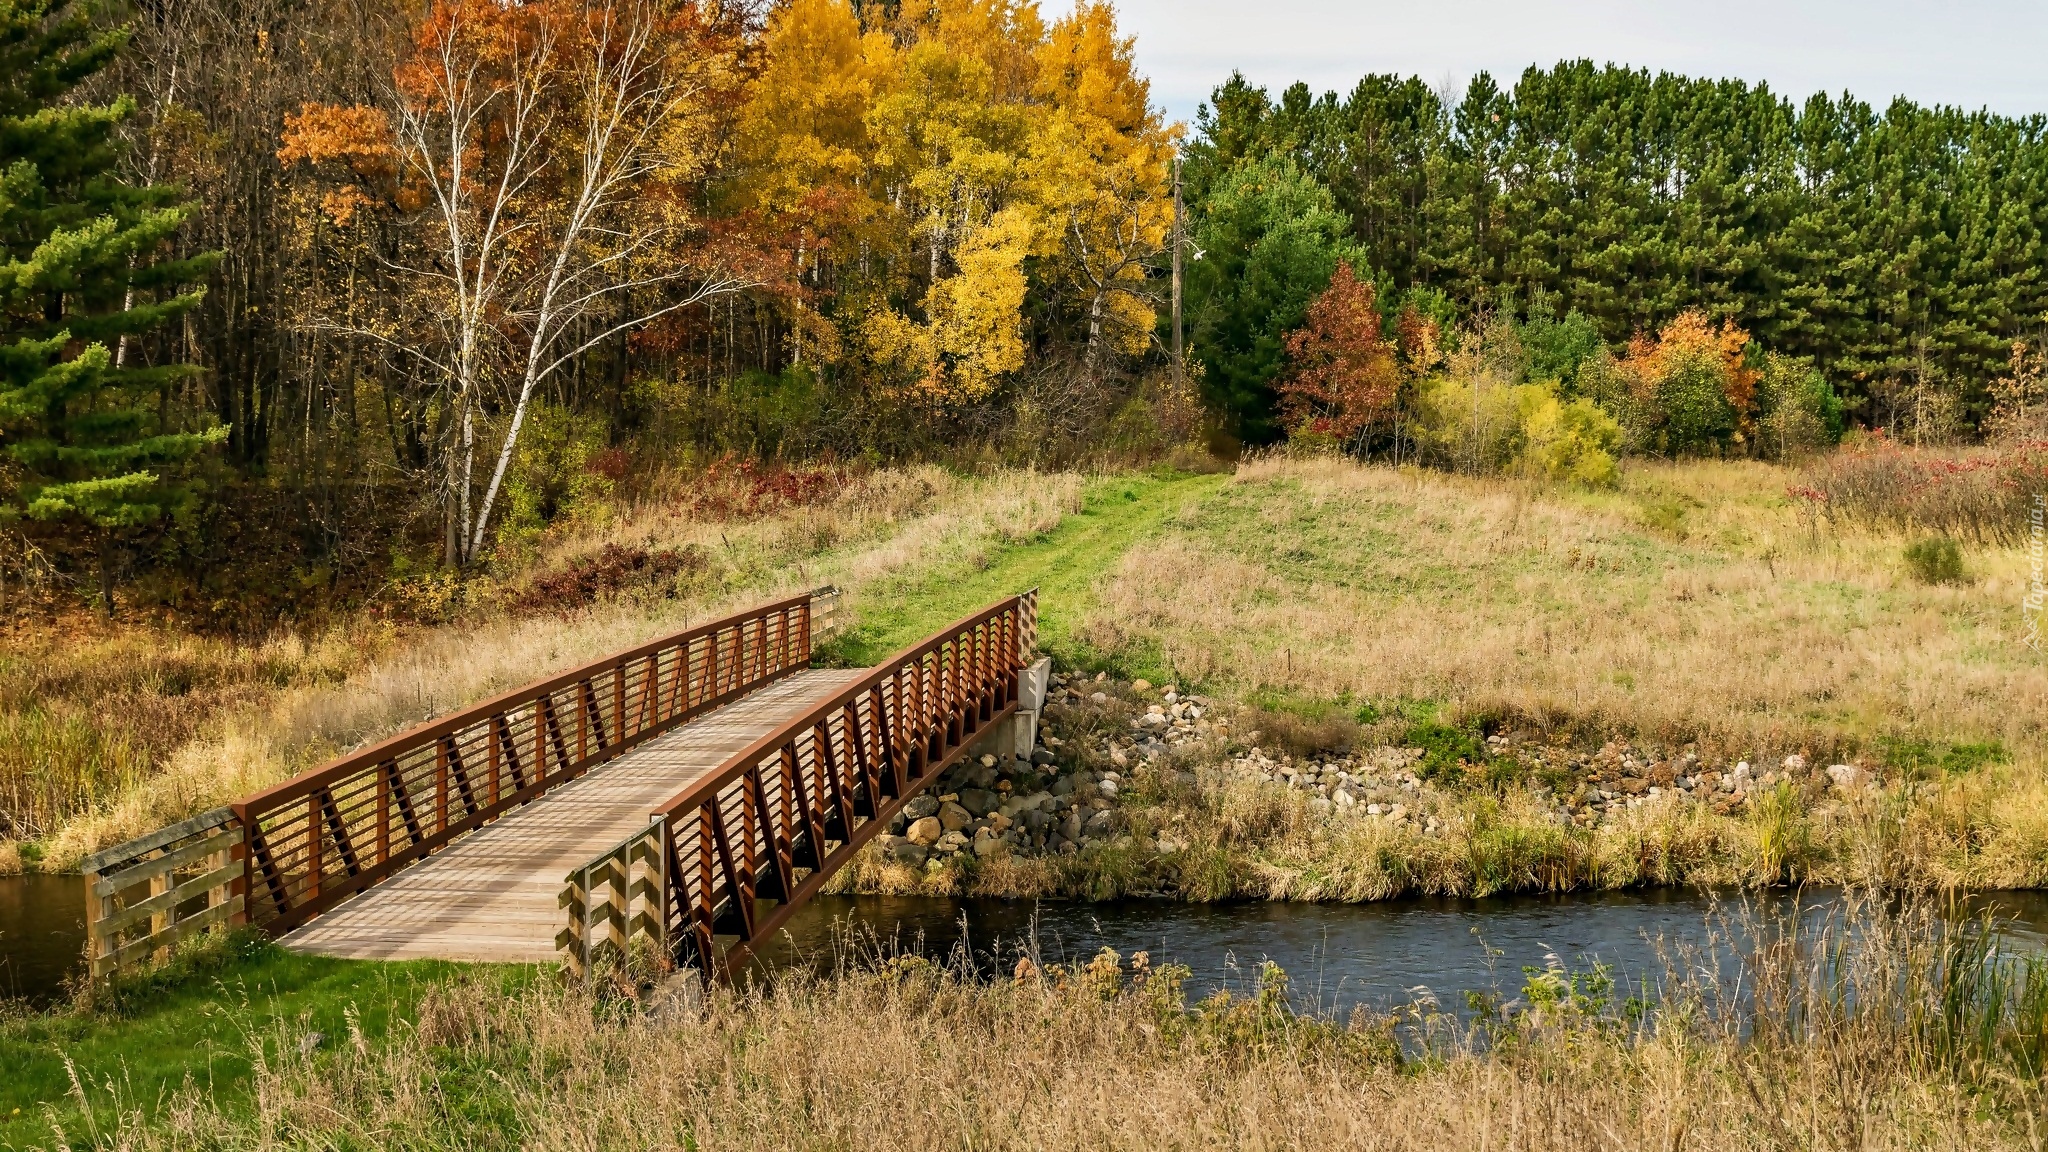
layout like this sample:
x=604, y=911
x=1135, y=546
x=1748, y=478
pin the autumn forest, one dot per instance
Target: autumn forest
x=306, y=301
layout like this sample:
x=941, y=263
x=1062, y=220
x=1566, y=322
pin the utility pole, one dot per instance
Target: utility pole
x=1178, y=382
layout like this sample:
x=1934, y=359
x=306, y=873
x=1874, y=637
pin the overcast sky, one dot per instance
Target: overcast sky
x=1983, y=53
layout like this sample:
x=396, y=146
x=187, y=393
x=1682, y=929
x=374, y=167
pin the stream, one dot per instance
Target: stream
x=1336, y=955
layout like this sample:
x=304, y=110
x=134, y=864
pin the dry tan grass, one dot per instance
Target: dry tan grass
x=916, y=1058
x=1752, y=631
x=886, y=523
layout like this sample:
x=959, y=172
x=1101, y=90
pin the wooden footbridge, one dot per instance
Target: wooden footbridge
x=679, y=801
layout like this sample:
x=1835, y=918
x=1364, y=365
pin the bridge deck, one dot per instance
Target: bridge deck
x=492, y=895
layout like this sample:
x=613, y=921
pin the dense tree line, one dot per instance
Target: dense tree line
x=447, y=270
x=1900, y=250
x=381, y=284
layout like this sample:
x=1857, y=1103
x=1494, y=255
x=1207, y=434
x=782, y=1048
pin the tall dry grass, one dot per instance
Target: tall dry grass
x=1883, y=1030
x=348, y=689
x=1697, y=604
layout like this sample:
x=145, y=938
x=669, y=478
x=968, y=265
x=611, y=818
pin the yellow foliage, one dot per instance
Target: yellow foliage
x=973, y=333
x=1476, y=421
x=928, y=154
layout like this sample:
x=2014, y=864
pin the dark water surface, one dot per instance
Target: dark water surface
x=1340, y=955
x=42, y=934
x=1336, y=955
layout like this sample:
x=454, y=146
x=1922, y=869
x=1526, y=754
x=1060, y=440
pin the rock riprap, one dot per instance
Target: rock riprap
x=1069, y=795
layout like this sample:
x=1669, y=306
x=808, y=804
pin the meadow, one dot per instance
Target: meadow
x=1698, y=605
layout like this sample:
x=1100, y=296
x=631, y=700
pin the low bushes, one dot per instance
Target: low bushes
x=1984, y=495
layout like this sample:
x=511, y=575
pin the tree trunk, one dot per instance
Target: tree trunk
x=106, y=558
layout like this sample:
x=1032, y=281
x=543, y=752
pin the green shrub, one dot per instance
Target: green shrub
x=1798, y=413
x=1935, y=560
x=1446, y=750
x=1572, y=441
x=562, y=470
x=1693, y=396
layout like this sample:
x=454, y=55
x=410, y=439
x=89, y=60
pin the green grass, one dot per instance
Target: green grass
x=1117, y=513
x=200, y=1020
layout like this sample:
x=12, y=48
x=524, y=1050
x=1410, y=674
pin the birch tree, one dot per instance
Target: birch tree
x=532, y=145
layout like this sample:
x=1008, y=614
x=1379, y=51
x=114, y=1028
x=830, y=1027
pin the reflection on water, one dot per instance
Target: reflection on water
x=42, y=934
x=1340, y=955
x=1337, y=955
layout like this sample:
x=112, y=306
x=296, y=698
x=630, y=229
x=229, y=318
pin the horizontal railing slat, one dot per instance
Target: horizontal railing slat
x=130, y=953
x=190, y=889
x=142, y=845
x=129, y=877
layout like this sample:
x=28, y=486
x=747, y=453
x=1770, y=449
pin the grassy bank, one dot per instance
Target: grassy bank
x=214, y=1022
x=1917, y=1037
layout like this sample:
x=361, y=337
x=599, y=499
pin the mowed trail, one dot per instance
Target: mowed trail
x=1066, y=565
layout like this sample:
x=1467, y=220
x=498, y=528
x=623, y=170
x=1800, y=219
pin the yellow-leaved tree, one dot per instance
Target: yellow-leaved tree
x=931, y=169
x=1101, y=159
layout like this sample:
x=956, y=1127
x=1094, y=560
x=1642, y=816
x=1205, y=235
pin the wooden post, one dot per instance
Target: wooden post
x=619, y=704
x=312, y=846
x=160, y=922
x=582, y=721
x=238, y=888
x=96, y=909
x=384, y=811
x=440, y=787
x=491, y=727
x=540, y=743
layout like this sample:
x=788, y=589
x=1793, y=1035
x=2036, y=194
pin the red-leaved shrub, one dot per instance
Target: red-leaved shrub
x=1983, y=495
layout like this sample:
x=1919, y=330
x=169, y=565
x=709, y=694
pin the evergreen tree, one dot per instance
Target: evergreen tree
x=1270, y=238
x=1895, y=250
x=81, y=274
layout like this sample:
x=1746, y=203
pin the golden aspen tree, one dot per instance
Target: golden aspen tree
x=1102, y=160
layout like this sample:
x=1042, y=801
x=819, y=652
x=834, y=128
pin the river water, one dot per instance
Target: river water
x=1336, y=955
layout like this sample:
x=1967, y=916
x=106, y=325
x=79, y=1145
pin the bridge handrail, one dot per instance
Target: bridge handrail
x=806, y=796
x=383, y=807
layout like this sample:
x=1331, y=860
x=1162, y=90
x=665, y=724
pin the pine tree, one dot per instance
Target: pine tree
x=81, y=277
x=1268, y=242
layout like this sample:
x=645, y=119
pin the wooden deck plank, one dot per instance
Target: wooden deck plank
x=492, y=894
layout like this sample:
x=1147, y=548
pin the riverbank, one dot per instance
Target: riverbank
x=1135, y=790
x=1936, y=1044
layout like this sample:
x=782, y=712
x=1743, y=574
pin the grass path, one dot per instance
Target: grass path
x=1067, y=565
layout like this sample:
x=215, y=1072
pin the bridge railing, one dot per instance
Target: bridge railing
x=146, y=895
x=322, y=836
x=733, y=855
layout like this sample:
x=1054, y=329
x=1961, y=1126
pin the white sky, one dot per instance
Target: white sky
x=1974, y=53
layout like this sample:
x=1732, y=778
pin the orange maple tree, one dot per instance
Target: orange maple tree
x=1345, y=373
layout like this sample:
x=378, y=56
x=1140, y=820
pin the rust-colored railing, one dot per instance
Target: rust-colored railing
x=731, y=857
x=329, y=833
